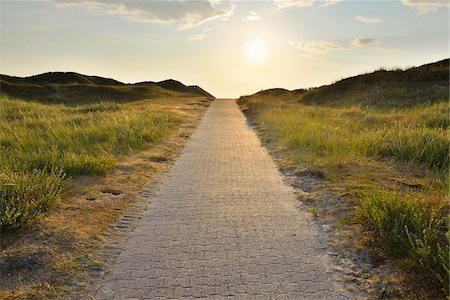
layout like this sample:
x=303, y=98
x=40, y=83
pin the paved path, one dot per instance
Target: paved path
x=223, y=225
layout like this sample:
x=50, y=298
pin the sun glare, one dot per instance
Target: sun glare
x=256, y=50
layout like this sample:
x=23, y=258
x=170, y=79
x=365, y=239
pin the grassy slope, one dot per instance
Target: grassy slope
x=383, y=139
x=72, y=88
x=176, y=86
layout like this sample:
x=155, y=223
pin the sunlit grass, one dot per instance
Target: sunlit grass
x=417, y=135
x=42, y=144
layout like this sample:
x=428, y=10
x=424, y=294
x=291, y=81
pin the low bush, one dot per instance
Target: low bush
x=410, y=229
x=24, y=195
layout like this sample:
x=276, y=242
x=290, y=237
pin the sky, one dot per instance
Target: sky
x=229, y=48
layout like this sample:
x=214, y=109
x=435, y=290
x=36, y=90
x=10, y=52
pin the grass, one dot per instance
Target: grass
x=392, y=161
x=43, y=145
x=69, y=87
x=83, y=93
x=412, y=230
x=386, y=88
x=25, y=195
x=334, y=134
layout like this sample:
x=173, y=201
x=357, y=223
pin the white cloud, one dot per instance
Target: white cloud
x=362, y=42
x=368, y=19
x=328, y=2
x=252, y=17
x=303, y=3
x=197, y=37
x=316, y=47
x=426, y=6
x=288, y=3
x=185, y=13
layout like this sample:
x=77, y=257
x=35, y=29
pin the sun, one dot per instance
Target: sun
x=256, y=50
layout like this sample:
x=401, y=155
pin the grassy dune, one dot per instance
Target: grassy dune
x=43, y=145
x=392, y=161
x=70, y=87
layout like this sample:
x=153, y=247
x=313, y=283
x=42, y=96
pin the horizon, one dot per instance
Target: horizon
x=254, y=92
x=228, y=48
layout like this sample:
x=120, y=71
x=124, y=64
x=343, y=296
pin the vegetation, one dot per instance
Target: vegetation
x=411, y=229
x=69, y=87
x=386, y=88
x=42, y=145
x=390, y=153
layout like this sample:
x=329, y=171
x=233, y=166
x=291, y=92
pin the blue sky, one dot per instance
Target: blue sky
x=230, y=48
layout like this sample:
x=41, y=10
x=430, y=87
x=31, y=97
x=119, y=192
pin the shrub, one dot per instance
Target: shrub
x=24, y=195
x=410, y=229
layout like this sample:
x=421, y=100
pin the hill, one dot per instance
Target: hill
x=273, y=92
x=176, y=86
x=383, y=88
x=72, y=87
x=60, y=78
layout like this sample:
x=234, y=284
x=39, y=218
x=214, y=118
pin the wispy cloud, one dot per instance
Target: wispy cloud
x=362, y=42
x=197, y=37
x=316, y=47
x=303, y=3
x=184, y=13
x=426, y=6
x=365, y=19
x=253, y=16
x=328, y=2
x=289, y=3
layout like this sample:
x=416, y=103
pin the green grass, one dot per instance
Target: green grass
x=41, y=145
x=410, y=229
x=365, y=150
x=84, y=93
x=416, y=135
x=23, y=195
x=69, y=87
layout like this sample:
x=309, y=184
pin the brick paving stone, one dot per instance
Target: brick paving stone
x=223, y=226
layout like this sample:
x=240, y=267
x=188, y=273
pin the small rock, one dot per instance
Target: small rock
x=91, y=198
x=158, y=158
x=312, y=172
x=112, y=191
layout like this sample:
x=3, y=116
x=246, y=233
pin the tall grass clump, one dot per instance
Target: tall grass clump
x=24, y=195
x=410, y=229
x=429, y=146
x=37, y=138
